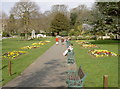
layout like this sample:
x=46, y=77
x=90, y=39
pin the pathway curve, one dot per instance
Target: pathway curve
x=49, y=70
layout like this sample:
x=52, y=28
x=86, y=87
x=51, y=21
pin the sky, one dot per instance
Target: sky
x=45, y=5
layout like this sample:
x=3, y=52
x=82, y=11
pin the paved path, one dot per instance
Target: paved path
x=47, y=71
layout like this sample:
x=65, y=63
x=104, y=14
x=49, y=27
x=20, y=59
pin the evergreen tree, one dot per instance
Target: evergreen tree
x=109, y=21
x=60, y=23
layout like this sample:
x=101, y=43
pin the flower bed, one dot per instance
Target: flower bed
x=102, y=53
x=13, y=54
x=29, y=47
x=41, y=43
x=89, y=46
x=82, y=42
x=47, y=41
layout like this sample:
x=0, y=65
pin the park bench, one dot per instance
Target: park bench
x=70, y=56
x=75, y=78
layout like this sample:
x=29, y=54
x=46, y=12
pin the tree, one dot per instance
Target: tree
x=96, y=20
x=10, y=27
x=71, y=32
x=110, y=12
x=42, y=24
x=25, y=12
x=22, y=7
x=73, y=18
x=60, y=23
x=3, y=15
x=26, y=21
x=83, y=15
x=79, y=16
x=3, y=21
x=109, y=8
x=59, y=9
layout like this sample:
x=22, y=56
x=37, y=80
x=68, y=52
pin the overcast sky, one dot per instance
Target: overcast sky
x=46, y=4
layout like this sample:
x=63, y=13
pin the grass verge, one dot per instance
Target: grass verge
x=22, y=62
x=97, y=67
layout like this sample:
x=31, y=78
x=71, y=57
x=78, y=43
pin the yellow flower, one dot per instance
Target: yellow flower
x=47, y=41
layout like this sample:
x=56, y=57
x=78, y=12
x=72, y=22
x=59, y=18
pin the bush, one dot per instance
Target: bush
x=71, y=32
x=83, y=37
x=64, y=33
x=5, y=34
x=22, y=34
x=73, y=38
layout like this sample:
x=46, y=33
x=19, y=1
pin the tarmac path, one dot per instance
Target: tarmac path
x=49, y=70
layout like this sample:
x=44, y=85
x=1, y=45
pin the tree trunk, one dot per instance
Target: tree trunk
x=26, y=36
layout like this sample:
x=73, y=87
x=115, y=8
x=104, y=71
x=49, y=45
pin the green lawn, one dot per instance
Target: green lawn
x=23, y=61
x=97, y=67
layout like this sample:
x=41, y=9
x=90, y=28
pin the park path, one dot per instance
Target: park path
x=49, y=70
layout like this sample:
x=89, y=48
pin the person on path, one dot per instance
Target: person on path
x=69, y=49
x=62, y=41
x=68, y=42
x=57, y=40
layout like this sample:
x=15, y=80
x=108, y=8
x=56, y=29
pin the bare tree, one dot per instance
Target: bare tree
x=48, y=17
x=26, y=11
x=83, y=14
x=10, y=27
x=3, y=15
x=26, y=6
x=3, y=21
x=59, y=8
x=47, y=13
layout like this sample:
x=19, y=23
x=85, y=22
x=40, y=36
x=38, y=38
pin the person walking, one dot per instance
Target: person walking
x=62, y=41
x=57, y=40
x=68, y=42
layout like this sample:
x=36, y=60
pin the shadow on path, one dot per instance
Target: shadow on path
x=47, y=71
x=38, y=78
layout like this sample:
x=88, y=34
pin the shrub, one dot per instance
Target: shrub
x=5, y=34
x=64, y=33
